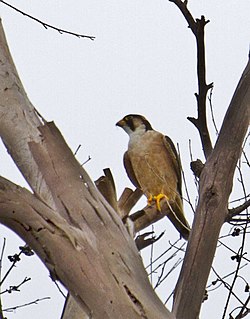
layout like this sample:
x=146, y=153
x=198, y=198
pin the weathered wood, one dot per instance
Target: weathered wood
x=78, y=236
x=216, y=182
x=106, y=187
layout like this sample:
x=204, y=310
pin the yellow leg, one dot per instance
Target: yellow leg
x=158, y=199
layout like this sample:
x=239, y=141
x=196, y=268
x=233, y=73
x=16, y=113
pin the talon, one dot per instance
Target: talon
x=158, y=199
x=150, y=199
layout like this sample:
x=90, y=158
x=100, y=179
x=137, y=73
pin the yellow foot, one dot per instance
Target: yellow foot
x=157, y=199
x=150, y=199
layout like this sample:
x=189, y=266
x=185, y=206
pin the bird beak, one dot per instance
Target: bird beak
x=121, y=123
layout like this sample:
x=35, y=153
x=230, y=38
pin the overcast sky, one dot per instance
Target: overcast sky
x=143, y=60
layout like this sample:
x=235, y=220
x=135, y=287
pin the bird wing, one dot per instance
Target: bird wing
x=171, y=150
x=130, y=170
x=177, y=217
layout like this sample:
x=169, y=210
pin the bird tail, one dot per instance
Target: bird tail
x=178, y=219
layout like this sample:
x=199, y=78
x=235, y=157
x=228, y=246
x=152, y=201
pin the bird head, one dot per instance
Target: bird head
x=134, y=122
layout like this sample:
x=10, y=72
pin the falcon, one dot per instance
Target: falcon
x=153, y=165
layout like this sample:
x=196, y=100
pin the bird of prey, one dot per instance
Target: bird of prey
x=153, y=165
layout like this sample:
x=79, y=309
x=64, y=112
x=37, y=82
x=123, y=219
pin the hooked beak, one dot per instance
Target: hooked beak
x=121, y=123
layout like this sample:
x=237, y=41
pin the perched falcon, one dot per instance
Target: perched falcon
x=153, y=165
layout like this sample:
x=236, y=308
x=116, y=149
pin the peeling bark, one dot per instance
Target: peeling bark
x=66, y=221
x=78, y=235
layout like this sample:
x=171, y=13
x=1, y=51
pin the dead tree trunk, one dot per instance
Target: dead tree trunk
x=77, y=235
x=216, y=183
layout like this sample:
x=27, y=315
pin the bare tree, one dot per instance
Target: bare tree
x=67, y=221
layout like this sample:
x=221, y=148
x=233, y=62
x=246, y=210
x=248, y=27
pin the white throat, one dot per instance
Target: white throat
x=135, y=136
x=140, y=130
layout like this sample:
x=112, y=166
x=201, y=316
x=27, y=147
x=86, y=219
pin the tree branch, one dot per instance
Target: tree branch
x=142, y=218
x=67, y=221
x=237, y=210
x=36, y=301
x=48, y=26
x=106, y=187
x=215, y=187
x=142, y=241
x=198, y=28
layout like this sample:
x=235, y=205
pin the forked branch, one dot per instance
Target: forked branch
x=123, y=206
x=198, y=28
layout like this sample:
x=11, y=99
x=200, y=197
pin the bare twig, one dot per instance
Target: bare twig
x=16, y=258
x=198, y=26
x=211, y=110
x=239, y=199
x=164, y=253
x=237, y=210
x=77, y=149
x=214, y=282
x=1, y=261
x=166, y=260
x=196, y=179
x=188, y=200
x=1, y=257
x=233, y=251
x=151, y=259
x=243, y=152
x=246, y=159
x=187, y=14
x=59, y=289
x=34, y=302
x=16, y=287
x=228, y=287
x=87, y=160
x=168, y=298
x=49, y=26
x=244, y=310
x=240, y=253
x=177, y=263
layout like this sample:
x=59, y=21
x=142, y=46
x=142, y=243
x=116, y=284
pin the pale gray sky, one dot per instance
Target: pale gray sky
x=143, y=61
